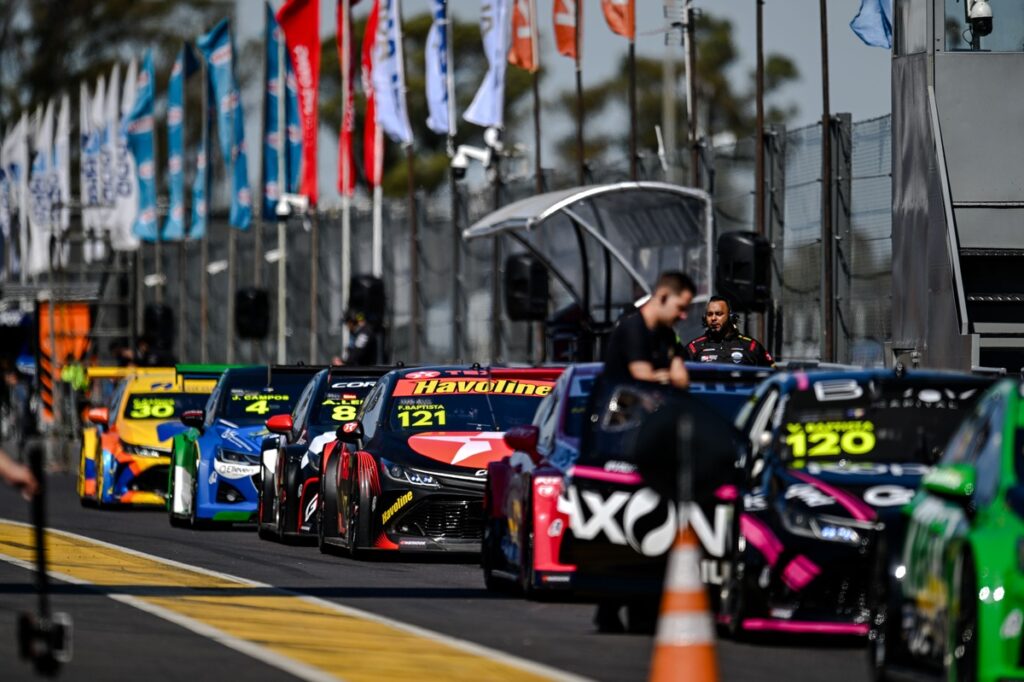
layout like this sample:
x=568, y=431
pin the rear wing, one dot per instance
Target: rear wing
x=123, y=372
x=534, y=373
x=375, y=371
x=712, y=377
x=200, y=378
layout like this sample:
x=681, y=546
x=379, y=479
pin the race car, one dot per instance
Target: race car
x=216, y=461
x=953, y=601
x=290, y=471
x=103, y=382
x=831, y=459
x=411, y=474
x=619, y=495
x=127, y=463
x=523, y=527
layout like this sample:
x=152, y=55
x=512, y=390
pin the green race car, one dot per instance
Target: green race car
x=952, y=602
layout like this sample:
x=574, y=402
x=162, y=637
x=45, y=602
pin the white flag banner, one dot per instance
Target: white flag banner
x=436, y=57
x=126, y=199
x=89, y=156
x=5, y=204
x=389, y=74
x=18, y=170
x=41, y=194
x=488, y=107
x=62, y=162
x=108, y=149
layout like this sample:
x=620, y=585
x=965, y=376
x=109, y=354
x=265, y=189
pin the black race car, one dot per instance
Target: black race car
x=290, y=469
x=830, y=460
x=619, y=495
x=410, y=476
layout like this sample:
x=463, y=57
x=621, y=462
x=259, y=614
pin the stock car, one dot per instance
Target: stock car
x=126, y=462
x=954, y=603
x=216, y=460
x=522, y=525
x=290, y=471
x=830, y=459
x=618, y=495
x=410, y=477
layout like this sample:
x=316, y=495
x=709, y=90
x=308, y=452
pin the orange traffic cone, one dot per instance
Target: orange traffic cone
x=684, y=647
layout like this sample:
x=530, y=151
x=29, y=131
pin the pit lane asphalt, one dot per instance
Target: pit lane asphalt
x=112, y=640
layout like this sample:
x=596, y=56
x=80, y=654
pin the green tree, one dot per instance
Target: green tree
x=429, y=147
x=48, y=46
x=724, y=107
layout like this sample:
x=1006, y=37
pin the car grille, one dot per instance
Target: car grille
x=453, y=519
x=228, y=494
x=153, y=479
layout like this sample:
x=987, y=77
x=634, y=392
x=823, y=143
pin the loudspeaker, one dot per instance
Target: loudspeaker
x=366, y=295
x=252, y=313
x=743, y=270
x=526, y=288
x=158, y=325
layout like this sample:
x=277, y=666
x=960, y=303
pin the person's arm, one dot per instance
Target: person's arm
x=764, y=358
x=17, y=475
x=677, y=374
x=642, y=370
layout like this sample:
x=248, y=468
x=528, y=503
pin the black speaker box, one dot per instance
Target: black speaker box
x=366, y=295
x=252, y=313
x=743, y=271
x=526, y=288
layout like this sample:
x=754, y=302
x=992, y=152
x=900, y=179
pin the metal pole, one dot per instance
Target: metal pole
x=282, y=246
x=538, y=170
x=759, y=127
x=378, y=216
x=581, y=170
x=414, y=260
x=453, y=188
x=204, y=296
x=691, y=94
x=282, y=309
x=496, y=271
x=182, y=264
x=230, y=335
x=346, y=200
x=632, y=109
x=314, y=271
x=827, y=241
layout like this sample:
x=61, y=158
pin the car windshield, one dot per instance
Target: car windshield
x=477, y=403
x=339, y=401
x=248, y=400
x=872, y=421
x=162, y=405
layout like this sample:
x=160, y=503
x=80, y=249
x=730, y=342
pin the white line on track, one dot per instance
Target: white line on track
x=454, y=642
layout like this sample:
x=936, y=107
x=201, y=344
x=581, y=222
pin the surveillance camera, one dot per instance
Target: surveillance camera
x=492, y=138
x=980, y=15
x=282, y=209
x=459, y=164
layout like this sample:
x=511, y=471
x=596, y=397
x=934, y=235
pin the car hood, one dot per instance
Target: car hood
x=142, y=432
x=868, y=492
x=455, y=451
x=243, y=439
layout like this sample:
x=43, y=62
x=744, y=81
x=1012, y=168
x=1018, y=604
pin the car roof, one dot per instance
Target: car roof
x=792, y=380
x=549, y=373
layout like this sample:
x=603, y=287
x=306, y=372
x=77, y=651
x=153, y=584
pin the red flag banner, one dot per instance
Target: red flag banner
x=346, y=157
x=621, y=16
x=524, y=36
x=565, y=27
x=300, y=21
x=372, y=156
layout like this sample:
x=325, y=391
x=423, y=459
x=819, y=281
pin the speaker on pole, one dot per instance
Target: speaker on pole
x=252, y=313
x=366, y=296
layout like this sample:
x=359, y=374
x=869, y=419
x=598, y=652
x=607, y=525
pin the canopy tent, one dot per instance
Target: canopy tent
x=607, y=243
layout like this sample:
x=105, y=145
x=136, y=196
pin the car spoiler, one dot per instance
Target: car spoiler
x=535, y=373
x=362, y=371
x=704, y=374
x=123, y=372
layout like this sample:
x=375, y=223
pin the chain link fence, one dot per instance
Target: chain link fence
x=457, y=279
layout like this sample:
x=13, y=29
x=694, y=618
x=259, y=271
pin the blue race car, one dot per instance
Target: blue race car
x=215, y=463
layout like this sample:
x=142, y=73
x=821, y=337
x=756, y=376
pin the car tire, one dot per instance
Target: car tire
x=327, y=506
x=262, y=500
x=526, y=571
x=732, y=604
x=884, y=638
x=488, y=549
x=962, y=644
x=194, y=522
x=358, y=522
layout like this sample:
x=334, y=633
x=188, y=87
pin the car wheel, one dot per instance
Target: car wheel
x=732, y=603
x=327, y=506
x=962, y=655
x=100, y=481
x=194, y=521
x=526, y=571
x=488, y=549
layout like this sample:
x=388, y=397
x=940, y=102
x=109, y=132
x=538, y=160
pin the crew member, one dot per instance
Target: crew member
x=362, y=340
x=643, y=345
x=723, y=341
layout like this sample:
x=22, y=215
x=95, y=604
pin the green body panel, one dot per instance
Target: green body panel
x=183, y=455
x=233, y=516
x=948, y=527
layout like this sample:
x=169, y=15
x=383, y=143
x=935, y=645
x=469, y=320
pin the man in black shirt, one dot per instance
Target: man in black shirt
x=362, y=343
x=723, y=341
x=643, y=345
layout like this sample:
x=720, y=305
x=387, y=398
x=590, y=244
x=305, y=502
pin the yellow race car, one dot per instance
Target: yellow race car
x=123, y=460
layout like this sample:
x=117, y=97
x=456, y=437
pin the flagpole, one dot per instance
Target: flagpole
x=314, y=269
x=579, y=96
x=282, y=246
x=229, y=337
x=378, y=197
x=453, y=188
x=827, y=239
x=632, y=108
x=414, y=265
x=346, y=200
x=204, y=249
x=538, y=170
x=691, y=94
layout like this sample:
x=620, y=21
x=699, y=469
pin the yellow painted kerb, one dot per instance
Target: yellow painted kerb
x=343, y=642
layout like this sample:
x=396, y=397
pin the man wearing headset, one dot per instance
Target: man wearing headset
x=644, y=345
x=723, y=341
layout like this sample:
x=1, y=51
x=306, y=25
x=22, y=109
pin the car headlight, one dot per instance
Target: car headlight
x=236, y=457
x=397, y=472
x=143, y=451
x=828, y=528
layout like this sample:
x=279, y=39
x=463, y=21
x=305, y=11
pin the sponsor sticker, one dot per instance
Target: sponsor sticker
x=398, y=504
x=235, y=471
x=455, y=386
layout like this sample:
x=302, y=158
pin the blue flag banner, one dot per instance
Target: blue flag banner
x=139, y=128
x=201, y=182
x=219, y=54
x=184, y=66
x=873, y=23
x=437, y=70
x=488, y=106
x=272, y=185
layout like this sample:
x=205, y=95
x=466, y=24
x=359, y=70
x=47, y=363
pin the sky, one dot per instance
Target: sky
x=860, y=75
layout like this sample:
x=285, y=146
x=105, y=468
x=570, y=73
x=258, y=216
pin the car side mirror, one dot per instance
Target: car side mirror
x=99, y=416
x=524, y=438
x=193, y=419
x=281, y=424
x=351, y=433
x=953, y=482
